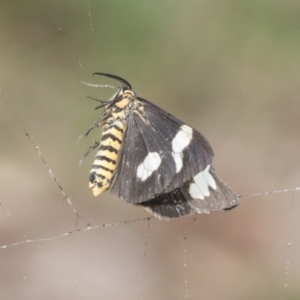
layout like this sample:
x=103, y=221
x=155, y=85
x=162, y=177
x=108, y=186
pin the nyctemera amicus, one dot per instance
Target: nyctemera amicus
x=147, y=157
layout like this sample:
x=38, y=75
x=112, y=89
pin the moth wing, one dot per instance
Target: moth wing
x=189, y=161
x=180, y=202
x=127, y=183
x=148, y=165
x=220, y=196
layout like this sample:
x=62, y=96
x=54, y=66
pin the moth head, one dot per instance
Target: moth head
x=123, y=92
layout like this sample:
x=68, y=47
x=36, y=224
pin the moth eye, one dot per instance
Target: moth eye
x=92, y=177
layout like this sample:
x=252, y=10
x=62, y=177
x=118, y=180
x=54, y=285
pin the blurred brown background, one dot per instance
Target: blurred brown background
x=228, y=68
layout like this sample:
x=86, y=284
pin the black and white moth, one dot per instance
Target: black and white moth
x=149, y=158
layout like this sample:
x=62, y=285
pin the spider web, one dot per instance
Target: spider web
x=57, y=241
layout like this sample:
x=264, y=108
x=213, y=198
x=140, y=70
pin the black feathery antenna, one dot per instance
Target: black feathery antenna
x=123, y=81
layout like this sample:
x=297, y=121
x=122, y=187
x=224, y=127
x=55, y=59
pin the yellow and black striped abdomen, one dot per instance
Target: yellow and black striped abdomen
x=106, y=158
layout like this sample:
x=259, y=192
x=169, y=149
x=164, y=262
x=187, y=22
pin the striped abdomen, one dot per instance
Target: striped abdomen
x=106, y=158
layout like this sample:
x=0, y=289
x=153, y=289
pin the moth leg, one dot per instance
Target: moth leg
x=96, y=124
x=103, y=102
x=91, y=148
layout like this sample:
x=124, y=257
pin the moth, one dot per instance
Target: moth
x=149, y=158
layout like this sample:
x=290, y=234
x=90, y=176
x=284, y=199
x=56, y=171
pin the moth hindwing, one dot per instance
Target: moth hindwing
x=148, y=157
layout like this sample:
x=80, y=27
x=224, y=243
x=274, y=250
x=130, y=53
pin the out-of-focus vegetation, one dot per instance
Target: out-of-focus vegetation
x=228, y=68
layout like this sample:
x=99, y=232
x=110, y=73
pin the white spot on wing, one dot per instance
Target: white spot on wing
x=199, y=189
x=181, y=140
x=150, y=164
x=209, y=179
x=178, y=161
x=202, y=184
x=195, y=192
